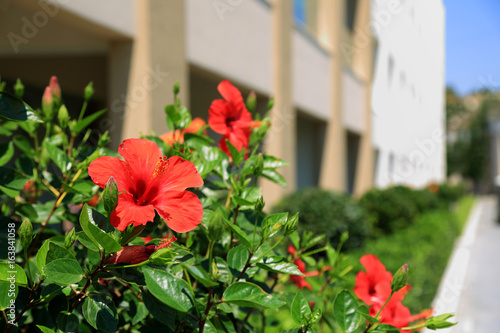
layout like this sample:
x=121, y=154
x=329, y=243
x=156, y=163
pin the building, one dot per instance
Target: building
x=353, y=108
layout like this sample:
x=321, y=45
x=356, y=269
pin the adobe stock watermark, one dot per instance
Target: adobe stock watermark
x=417, y=157
x=223, y=6
x=380, y=19
x=10, y=311
x=30, y=26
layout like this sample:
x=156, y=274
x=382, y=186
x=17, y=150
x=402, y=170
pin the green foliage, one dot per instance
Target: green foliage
x=328, y=213
x=389, y=209
x=450, y=193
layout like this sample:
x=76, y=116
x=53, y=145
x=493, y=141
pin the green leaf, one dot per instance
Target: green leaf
x=41, y=255
x=363, y=311
x=45, y=329
x=165, y=314
x=10, y=270
x=23, y=144
x=278, y=264
x=385, y=328
x=57, y=156
x=237, y=258
x=162, y=284
x=12, y=179
x=240, y=234
x=98, y=237
x=6, y=152
x=272, y=224
x=100, y=313
x=271, y=162
x=247, y=294
x=67, y=322
x=300, y=308
x=237, y=155
x=63, y=271
x=6, y=297
x=274, y=176
x=85, y=122
x=345, y=310
x=57, y=252
x=26, y=210
x=13, y=108
x=199, y=274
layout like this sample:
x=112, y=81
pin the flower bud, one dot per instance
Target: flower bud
x=258, y=166
x=176, y=88
x=251, y=101
x=400, y=278
x=104, y=139
x=26, y=233
x=70, y=238
x=439, y=322
x=63, y=116
x=292, y=224
x=215, y=274
x=110, y=195
x=55, y=88
x=216, y=225
x=88, y=92
x=259, y=205
x=19, y=88
x=47, y=103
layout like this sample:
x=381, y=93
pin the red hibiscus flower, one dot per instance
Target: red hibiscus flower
x=135, y=254
x=178, y=135
x=300, y=280
x=147, y=181
x=230, y=117
x=374, y=285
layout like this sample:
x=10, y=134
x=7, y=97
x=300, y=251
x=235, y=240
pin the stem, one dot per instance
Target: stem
x=82, y=111
x=272, y=247
x=27, y=264
x=28, y=305
x=88, y=283
x=207, y=310
x=234, y=222
x=387, y=301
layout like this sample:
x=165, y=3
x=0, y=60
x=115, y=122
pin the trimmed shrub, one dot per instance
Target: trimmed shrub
x=451, y=193
x=389, y=209
x=329, y=213
x=426, y=200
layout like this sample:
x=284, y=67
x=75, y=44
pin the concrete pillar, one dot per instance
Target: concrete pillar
x=281, y=140
x=157, y=61
x=363, y=66
x=330, y=27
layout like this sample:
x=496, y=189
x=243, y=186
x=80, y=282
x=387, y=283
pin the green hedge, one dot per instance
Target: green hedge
x=329, y=213
x=425, y=246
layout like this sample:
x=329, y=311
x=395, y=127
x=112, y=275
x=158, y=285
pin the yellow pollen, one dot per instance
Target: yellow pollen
x=160, y=167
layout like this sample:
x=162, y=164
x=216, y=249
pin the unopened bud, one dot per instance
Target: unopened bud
x=400, y=278
x=292, y=224
x=63, y=116
x=259, y=205
x=19, y=88
x=26, y=233
x=258, y=166
x=104, y=139
x=110, y=195
x=70, y=238
x=215, y=274
x=176, y=88
x=47, y=103
x=216, y=225
x=54, y=87
x=251, y=101
x=89, y=91
x=439, y=322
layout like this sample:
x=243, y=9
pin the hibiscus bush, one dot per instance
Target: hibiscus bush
x=168, y=234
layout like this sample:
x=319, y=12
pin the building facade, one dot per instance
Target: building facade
x=358, y=84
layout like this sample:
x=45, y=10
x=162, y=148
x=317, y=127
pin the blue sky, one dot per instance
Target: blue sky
x=472, y=44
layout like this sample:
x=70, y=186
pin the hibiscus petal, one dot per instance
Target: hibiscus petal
x=142, y=156
x=196, y=124
x=181, y=210
x=233, y=96
x=128, y=212
x=104, y=167
x=218, y=115
x=178, y=175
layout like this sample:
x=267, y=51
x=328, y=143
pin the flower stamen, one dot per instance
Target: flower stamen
x=160, y=167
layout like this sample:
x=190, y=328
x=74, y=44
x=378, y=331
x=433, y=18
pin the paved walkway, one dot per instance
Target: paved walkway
x=471, y=285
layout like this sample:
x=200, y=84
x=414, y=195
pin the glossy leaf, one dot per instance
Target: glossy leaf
x=247, y=294
x=199, y=274
x=237, y=258
x=6, y=152
x=100, y=313
x=103, y=240
x=272, y=224
x=67, y=322
x=345, y=310
x=85, y=122
x=13, y=108
x=63, y=271
x=279, y=264
x=162, y=312
x=300, y=308
x=274, y=176
x=45, y=329
x=9, y=270
x=161, y=284
x=240, y=234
